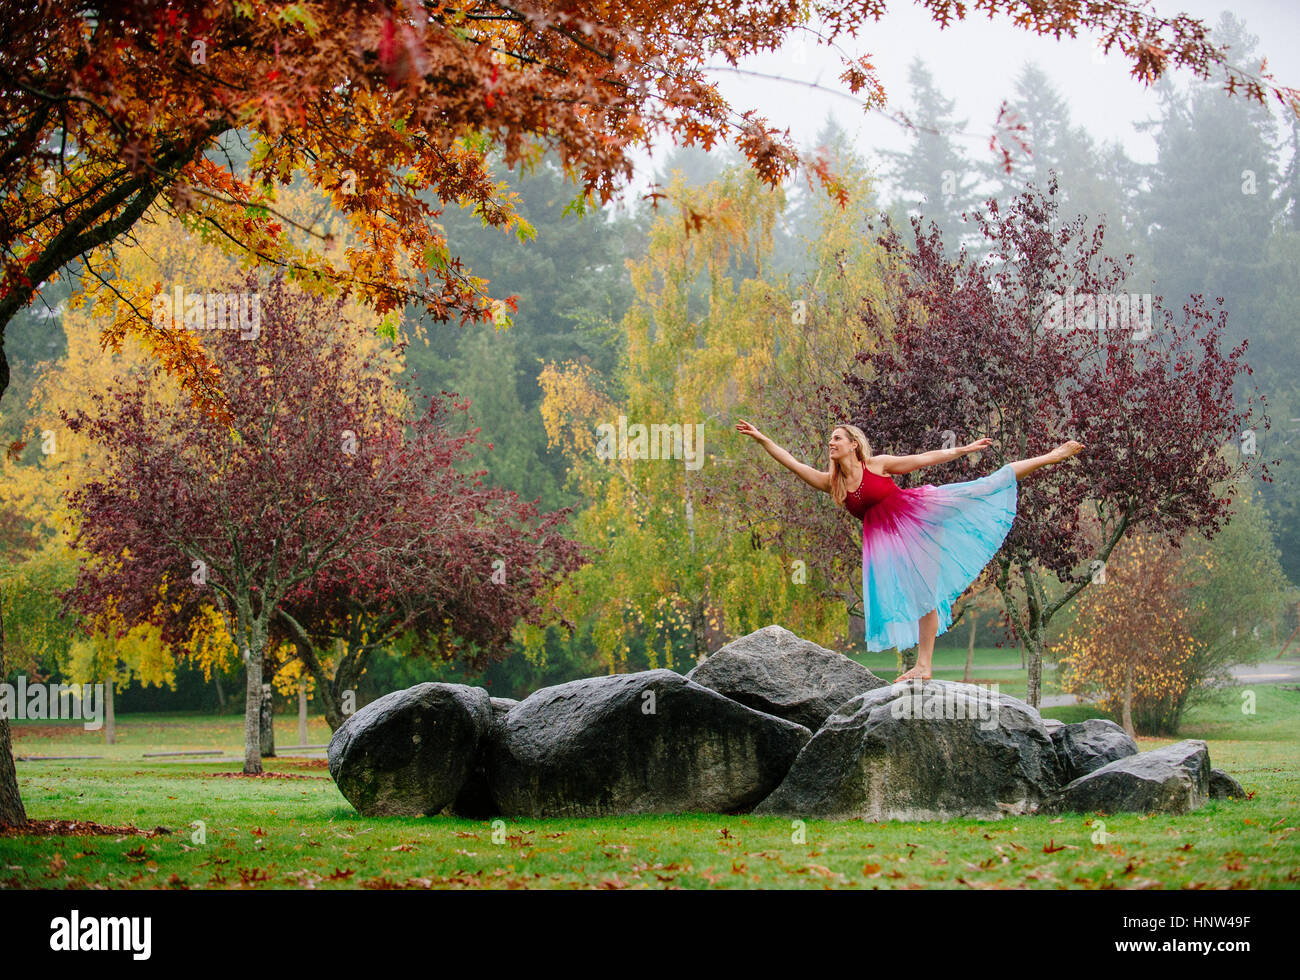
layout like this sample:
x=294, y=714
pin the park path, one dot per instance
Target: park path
x=1267, y=672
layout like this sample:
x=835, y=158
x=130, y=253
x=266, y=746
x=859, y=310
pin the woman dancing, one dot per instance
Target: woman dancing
x=921, y=546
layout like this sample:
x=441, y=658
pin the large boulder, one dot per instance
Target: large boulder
x=774, y=671
x=1173, y=779
x=649, y=742
x=1088, y=745
x=922, y=751
x=410, y=752
x=475, y=798
x=1224, y=787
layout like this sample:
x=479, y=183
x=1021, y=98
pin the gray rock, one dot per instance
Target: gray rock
x=930, y=751
x=774, y=671
x=1053, y=725
x=1088, y=745
x=475, y=798
x=649, y=742
x=410, y=752
x=1173, y=779
x=1224, y=787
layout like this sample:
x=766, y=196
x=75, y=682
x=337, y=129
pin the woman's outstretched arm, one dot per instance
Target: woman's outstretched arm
x=905, y=464
x=814, y=478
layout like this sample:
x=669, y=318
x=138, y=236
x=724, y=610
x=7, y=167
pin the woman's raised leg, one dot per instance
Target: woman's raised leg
x=1065, y=450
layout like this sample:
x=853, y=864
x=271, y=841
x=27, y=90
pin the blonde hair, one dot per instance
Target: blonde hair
x=862, y=449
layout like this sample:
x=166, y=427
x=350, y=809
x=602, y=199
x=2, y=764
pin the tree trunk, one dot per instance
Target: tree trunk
x=857, y=629
x=1126, y=714
x=1021, y=643
x=699, y=642
x=12, y=812
x=253, y=713
x=331, y=703
x=1034, y=679
x=221, y=695
x=110, y=716
x=266, y=723
x=302, y=712
x=327, y=689
x=970, y=652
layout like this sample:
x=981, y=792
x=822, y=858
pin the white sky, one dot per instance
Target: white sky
x=975, y=62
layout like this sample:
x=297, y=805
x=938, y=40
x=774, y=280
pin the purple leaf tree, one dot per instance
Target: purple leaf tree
x=1040, y=342
x=320, y=482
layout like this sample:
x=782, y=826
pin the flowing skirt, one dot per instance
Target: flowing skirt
x=922, y=547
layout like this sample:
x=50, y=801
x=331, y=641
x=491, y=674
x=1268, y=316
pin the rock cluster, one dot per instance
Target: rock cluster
x=772, y=724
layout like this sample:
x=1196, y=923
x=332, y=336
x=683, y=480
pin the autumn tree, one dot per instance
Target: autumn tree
x=390, y=108
x=1238, y=590
x=797, y=350
x=115, y=660
x=1044, y=341
x=1131, y=642
x=1160, y=627
x=453, y=578
x=687, y=545
x=316, y=485
x=111, y=109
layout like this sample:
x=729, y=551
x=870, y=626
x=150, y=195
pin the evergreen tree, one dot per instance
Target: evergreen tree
x=934, y=177
x=569, y=280
x=1210, y=209
x=1216, y=214
x=1100, y=182
x=487, y=371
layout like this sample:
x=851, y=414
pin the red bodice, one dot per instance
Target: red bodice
x=870, y=492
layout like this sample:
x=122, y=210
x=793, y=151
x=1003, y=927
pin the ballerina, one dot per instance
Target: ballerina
x=921, y=546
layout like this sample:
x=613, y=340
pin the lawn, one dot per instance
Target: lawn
x=990, y=666
x=294, y=830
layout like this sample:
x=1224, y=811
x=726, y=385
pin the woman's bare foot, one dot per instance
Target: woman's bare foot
x=1065, y=450
x=913, y=674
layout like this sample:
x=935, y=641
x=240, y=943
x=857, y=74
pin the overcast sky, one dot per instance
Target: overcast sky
x=975, y=61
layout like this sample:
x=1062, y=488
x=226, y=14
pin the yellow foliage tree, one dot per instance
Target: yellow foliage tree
x=677, y=568
x=1131, y=639
x=162, y=253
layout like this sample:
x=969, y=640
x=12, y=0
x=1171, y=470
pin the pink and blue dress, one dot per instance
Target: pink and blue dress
x=922, y=546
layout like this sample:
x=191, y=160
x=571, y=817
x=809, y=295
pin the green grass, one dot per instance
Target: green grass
x=141, y=733
x=950, y=665
x=300, y=832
